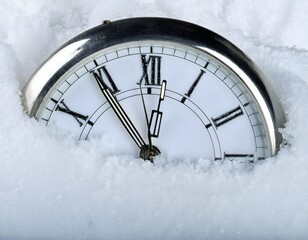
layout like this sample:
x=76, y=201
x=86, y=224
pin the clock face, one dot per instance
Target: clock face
x=183, y=100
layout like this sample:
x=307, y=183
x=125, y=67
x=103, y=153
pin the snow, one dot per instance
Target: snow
x=52, y=187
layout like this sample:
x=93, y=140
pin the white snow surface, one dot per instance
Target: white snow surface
x=53, y=187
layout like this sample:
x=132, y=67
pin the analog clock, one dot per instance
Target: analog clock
x=154, y=86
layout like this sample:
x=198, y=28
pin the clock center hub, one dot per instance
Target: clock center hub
x=149, y=153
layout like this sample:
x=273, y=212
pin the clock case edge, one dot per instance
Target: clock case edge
x=148, y=28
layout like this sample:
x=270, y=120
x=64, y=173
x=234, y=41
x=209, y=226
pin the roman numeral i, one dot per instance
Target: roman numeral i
x=193, y=86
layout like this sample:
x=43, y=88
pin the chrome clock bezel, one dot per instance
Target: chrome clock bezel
x=158, y=29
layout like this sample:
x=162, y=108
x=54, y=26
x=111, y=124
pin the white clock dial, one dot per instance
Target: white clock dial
x=206, y=109
x=154, y=86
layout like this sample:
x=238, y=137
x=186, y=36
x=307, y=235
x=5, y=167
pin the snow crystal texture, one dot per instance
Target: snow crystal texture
x=52, y=187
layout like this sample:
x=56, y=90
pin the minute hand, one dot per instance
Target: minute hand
x=119, y=111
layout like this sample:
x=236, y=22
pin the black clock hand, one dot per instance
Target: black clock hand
x=156, y=116
x=150, y=151
x=120, y=112
x=146, y=116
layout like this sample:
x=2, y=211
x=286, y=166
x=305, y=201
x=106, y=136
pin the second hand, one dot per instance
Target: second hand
x=146, y=118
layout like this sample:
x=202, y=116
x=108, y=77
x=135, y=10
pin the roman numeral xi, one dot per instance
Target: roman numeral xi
x=105, y=76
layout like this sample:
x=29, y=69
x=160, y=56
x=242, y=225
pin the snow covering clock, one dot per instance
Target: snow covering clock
x=156, y=86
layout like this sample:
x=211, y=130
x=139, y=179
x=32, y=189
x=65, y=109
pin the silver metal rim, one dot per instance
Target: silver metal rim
x=158, y=29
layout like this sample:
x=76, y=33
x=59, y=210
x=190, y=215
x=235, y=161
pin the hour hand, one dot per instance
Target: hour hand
x=121, y=114
x=157, y=115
